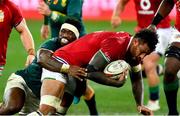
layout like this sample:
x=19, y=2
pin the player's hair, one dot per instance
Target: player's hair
x=148, y=36
x=74, y=22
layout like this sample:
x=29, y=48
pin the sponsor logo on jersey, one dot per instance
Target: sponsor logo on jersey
x=63, y=3
x=1, y=16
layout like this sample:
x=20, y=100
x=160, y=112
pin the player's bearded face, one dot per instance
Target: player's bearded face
x=139, y=51
x=64, y=41
x=66, y=36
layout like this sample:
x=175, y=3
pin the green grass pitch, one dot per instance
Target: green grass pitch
x=110, y=101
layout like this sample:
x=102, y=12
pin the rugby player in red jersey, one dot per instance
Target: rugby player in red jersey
x=172, y=62
x=10, y=16
x=93, y=52
x=145, y=11
x=22, y=90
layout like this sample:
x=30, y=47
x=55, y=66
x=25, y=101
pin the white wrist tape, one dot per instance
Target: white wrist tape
x=65, y=68
x=136, y=68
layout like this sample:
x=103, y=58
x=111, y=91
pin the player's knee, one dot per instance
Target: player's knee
x=46, y=109
x=49, y=104
x=149, y=65
x=11, y=109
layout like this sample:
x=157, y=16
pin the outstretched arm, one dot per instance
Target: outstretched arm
x=138, y=89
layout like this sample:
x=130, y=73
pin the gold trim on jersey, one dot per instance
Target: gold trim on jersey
x=63, y=3
x=55, y=2
x=1, y=16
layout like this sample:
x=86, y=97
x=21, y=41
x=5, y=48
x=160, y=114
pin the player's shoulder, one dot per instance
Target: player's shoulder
x=12, y=6
x=123, y=33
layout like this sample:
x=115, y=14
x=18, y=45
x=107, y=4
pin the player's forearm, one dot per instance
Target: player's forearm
x=166, y=7
x=26, y=37
x=163, y=11
x=101, y=78
x=120, y=7
x=137, y=87
x=46, y=20
x=45, y=59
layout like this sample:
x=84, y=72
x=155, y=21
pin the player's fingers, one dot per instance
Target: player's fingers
x=78, y=78
x=82, y=73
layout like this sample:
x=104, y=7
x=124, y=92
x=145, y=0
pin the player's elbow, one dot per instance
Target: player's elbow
x=120, y=84
x=42, y=56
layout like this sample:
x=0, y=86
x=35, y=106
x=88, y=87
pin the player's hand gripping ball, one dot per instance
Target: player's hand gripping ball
x=116, y=69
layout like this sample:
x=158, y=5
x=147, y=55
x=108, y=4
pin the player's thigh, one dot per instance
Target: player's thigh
x=53, y=83
x=151, y=60
x=52, y=87
x=172, y=64
x=14, y=91
x=19, y=94
x=31, y=102
x=71, y=85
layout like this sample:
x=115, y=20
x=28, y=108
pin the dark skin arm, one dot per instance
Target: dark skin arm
x=45, y=59
x=137, y=88
x=95, y=68
x=98, y=63
x=137, y=85
x=164, y=9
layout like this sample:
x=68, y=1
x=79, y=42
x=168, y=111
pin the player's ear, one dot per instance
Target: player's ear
x=135, y=42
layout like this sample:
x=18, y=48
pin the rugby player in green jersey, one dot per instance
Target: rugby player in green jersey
x=56, y=12
x=22, y=91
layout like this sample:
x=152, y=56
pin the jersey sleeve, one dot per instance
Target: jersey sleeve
x=74, y=9
x=16, y=14
x=111, y=49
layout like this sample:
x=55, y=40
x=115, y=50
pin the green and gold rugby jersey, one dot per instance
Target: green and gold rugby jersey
x=61, y=10
x=32, y=73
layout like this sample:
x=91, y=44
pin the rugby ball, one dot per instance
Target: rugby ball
x=115, y=68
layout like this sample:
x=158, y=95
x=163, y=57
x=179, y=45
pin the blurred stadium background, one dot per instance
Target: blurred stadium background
x=110, y=101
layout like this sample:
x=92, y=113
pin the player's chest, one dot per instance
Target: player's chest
x=5, y=16
x=147, y=4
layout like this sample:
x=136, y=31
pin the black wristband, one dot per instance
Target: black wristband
x=157, y=19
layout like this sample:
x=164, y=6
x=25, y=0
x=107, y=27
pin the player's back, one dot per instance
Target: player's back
x=81, y=51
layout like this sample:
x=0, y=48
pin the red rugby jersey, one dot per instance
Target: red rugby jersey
x=145, y=10
x=177, y=23
x=113, y=44
x=10, y=16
